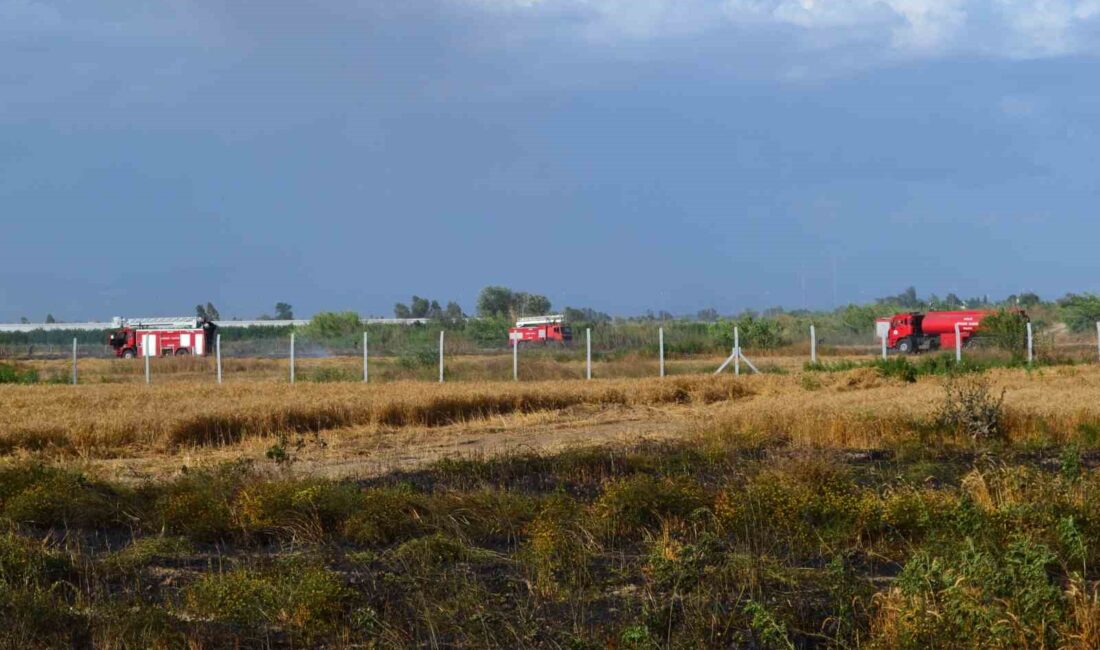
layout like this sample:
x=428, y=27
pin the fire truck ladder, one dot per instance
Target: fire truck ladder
x=540, y=320
x=160, y=322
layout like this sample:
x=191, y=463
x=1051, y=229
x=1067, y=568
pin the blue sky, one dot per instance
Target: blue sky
x=620, y=154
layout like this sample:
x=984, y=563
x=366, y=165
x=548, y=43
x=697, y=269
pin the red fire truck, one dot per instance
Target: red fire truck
x=153, y=337
x=540, y=329
x=915, y=331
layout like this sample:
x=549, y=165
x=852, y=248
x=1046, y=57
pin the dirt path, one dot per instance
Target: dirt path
x=366, y=452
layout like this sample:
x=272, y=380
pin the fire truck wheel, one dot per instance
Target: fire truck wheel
x=904, y=346
x=128, y=354
x=182, y=352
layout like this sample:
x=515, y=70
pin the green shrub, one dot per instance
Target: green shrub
x=26, y=562
x=969, y=409
x=300, y=509
x=896, y=368
x=46, y=497
x=633, y=505
x=199, y=504
x=429, y=552
x=386, y=515
x=145, y=550
x=11, y=374
x=333, y=325
x=1006, y=330
x=331, y=374
x=977, y=598
x=302, y=599
x=558, y=549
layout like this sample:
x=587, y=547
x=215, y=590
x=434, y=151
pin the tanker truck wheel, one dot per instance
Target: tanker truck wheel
x=905, y=346
x=128, y=354
x=182, y=352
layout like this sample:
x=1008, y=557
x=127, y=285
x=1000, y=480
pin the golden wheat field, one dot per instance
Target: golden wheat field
x=353, y=425
x=854, y=504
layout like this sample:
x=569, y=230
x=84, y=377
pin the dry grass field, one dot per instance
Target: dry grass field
x=838, y=506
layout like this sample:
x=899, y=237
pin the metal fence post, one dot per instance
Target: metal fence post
x=958, y=345
x=441, y=356
x=218, y=354
x=813, y=344
x=366, y=360
x=292, y=357
x=588, y=350
x=661, y=345
x=74, y=361
x=736, y=351
x=147, y=378
x=884, y=346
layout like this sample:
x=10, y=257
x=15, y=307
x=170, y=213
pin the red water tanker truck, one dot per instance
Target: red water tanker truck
x=916, y=331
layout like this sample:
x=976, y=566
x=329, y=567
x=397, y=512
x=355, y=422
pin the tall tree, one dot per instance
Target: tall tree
x=284, y=311
x=453, y=312
x=495, y=302
x=419, y=307
x=50, y=318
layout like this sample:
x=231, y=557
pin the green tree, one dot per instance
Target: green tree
x=284, y=311
x=50, y=318
x=585, y=315
x=1080, y=312
x=495, y=302
x=331, y=325
x=708, y=315
x=534, y=305
x=858, y=319
x=454, y=312
x=419, y=307
x=760, y=332
x=401, y=310
x=1007, y=330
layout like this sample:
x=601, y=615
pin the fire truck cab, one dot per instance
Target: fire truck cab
x=162, y=337
x=540, y=329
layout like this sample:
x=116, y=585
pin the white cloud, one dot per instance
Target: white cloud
x=914, y=28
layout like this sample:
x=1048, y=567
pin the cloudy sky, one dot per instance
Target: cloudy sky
x=621, y=154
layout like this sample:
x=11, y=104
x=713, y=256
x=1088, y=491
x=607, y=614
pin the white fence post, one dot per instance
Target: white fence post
x=147, y=378
x=515, y=359
x=884, y=346
x=588, y=350
x=1098, y=334
x=736, y=351
x=1030, y=345
x=813, y=344
x=74, y=361
x=441, y=356
x=958, y=345
x=218, y=354
x=292, y=357
x=366, y=360
x=661, y=345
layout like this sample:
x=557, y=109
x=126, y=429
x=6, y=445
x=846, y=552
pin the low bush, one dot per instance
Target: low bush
x=969, y=408
x=633, y=505
x=305, y=600
x=12, y=374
